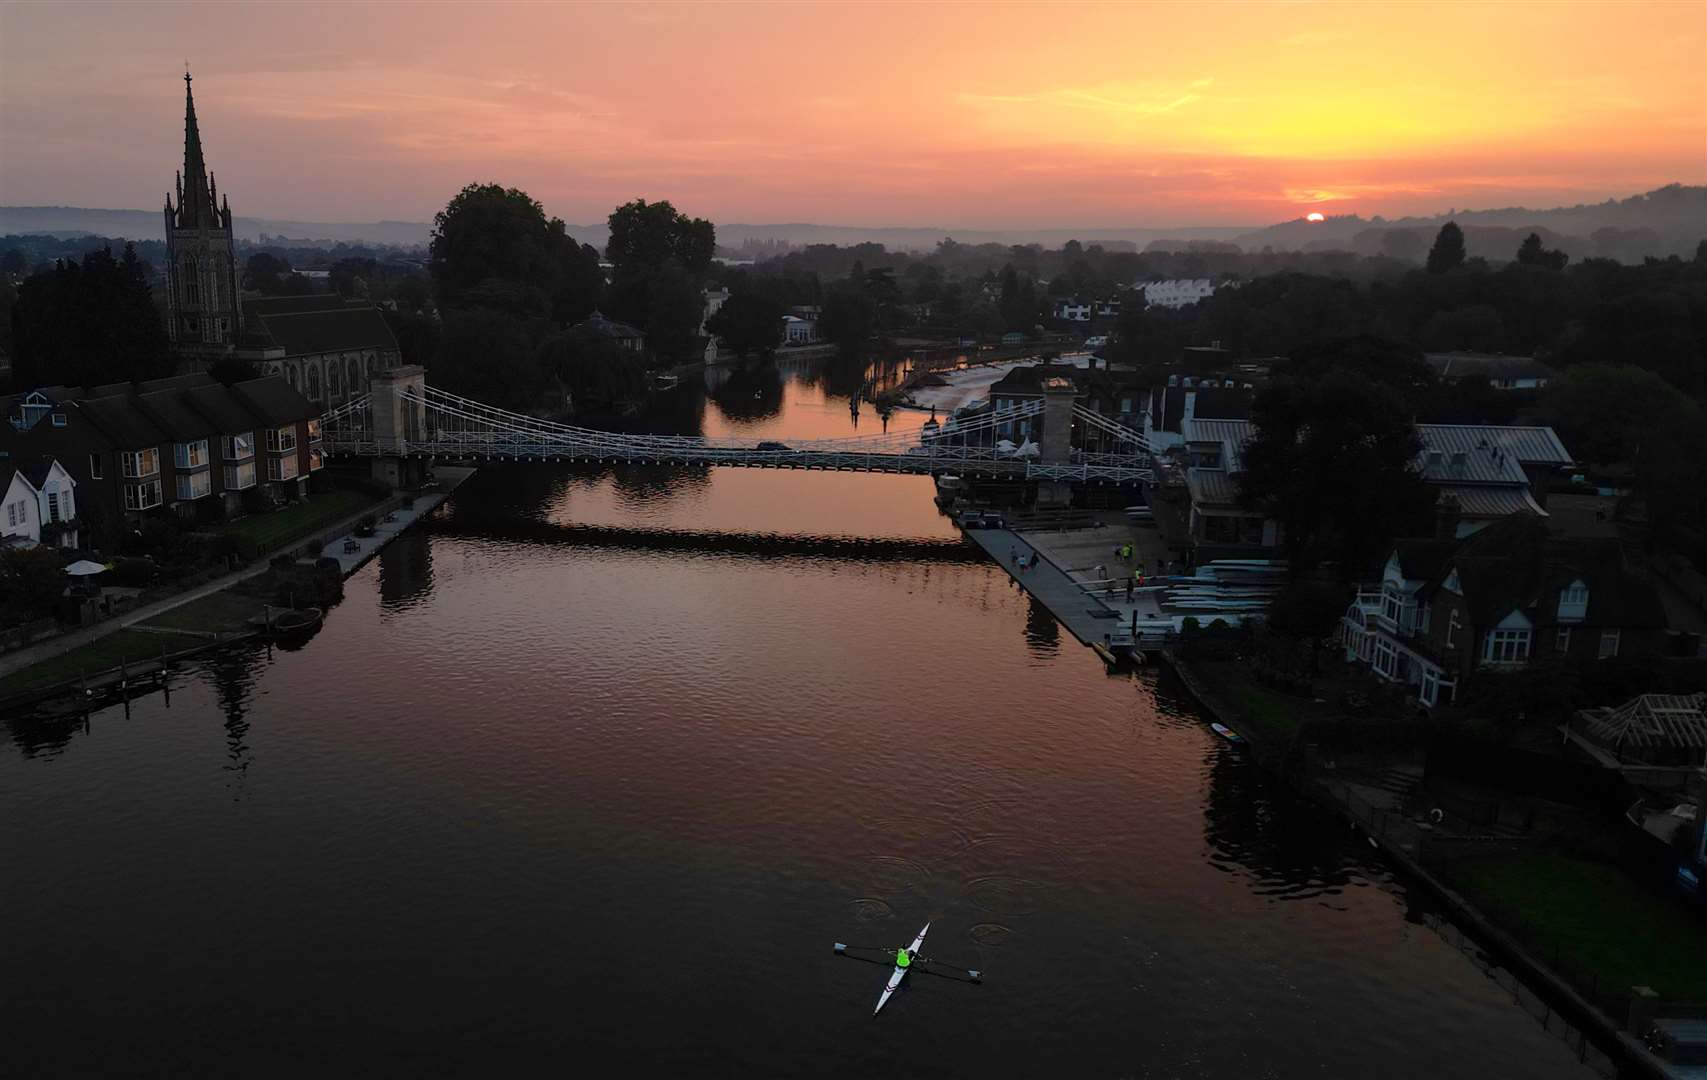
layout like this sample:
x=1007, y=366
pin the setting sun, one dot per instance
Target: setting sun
x=1315, y=216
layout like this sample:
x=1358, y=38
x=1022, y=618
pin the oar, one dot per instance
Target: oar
x=947, y=971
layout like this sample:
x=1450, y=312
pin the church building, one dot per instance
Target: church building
x=325, y=347
x=202, y=314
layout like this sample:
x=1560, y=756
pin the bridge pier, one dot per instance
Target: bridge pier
x=396, y=424
x=1056, y=441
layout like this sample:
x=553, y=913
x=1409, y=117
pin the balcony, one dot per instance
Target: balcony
x=282, y=468
x=240, y=477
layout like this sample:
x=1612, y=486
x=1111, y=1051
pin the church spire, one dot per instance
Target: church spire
x=195, y=205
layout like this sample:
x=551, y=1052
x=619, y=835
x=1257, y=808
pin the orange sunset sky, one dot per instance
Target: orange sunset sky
x=951, y=115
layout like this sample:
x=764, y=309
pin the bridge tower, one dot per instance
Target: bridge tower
x=397, y=422
x=1055, y=445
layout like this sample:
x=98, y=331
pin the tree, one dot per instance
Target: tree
x=88, y=323
x=747, y=324
x=593, y=370
x=1309, y=611
x=849, y=318
x=1605, y=413
x=1448, y=250
x=1333, y=463
x=674, y=309
x=488, y=355
x=648, y=235
x=1531, y=253
x=266, y=273
x=495, y=246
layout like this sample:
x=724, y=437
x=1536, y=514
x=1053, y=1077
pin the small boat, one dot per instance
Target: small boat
x=296, y=621
x=900, y=972
x=1227, y=733
x=891, y=957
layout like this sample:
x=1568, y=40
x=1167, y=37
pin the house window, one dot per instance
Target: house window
x=1429, y=693
x=314, y=430
x=53, y=506
x=1562, y=640
x=1452, y=625
x=139, y=463
x=281, y=440
x=94, y=466
x=1386, y=659
x=1506, y=647
x=142, y=496
x=57, y=419
x=11, y=515
x=282, y=468
x=1609, y=643
x=194, y=485
x=190, y=455
x=1392, y=605
x=237, y=447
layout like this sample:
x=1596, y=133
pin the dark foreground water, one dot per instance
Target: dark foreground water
x=567, y=782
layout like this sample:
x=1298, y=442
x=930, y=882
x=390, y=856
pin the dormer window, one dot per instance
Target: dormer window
x=1573, y=602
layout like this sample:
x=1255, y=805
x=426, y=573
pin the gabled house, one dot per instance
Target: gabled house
x=1508, y=596
x=39, y=504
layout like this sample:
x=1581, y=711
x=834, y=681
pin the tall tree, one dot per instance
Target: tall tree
x=1448, y=250
x=1531, y=253
x=748, y=324
x=89, y=322
x=644, y=234
x=494, y=245
x=1333, y=461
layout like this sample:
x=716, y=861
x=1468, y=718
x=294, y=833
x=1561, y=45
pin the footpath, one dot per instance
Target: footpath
x=350, y=550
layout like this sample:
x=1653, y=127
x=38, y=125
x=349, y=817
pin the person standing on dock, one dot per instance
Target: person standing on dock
x=1128, y=590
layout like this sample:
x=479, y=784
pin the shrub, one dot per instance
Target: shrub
x=135, y=573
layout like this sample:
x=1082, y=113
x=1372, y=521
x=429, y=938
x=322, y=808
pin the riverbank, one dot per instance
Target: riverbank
x=1374, y=808
x=208, y=617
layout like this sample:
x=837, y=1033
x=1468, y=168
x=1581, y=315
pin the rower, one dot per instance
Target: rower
x=902, y=958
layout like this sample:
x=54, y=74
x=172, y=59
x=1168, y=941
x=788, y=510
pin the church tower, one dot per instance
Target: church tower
x=203, y=314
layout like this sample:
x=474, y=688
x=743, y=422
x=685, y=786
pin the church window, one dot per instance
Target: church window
x=314, y=384
x=192, y=288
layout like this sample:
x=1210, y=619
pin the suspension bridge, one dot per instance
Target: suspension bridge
x=402, y=417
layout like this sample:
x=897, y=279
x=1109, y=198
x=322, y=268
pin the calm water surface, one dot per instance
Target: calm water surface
x=596, y=767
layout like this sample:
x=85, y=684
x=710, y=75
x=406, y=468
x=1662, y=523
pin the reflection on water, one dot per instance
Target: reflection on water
x=567, y=770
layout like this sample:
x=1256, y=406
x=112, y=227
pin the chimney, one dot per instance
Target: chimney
x=1448, y=513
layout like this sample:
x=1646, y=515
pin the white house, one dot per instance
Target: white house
x=799, y=331
x=38, y=494
x=1073, y=310
x=1177, y=292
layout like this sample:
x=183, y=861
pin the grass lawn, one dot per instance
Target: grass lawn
x=122, y=645
x=1273, y=712
x=224, y=610
x=299, y=519
x=1598, y=919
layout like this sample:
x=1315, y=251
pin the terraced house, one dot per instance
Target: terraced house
x=185, y=445
x=1507, y=597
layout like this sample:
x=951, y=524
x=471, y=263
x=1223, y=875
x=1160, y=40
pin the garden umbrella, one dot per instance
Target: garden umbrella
x=84, y=568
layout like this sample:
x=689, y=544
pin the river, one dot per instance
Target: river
x=594, y=768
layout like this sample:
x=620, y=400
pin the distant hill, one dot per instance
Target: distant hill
x=150, y=225
x=1666, y=221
